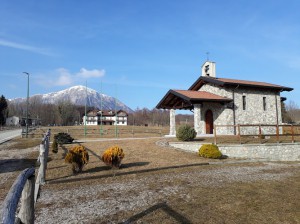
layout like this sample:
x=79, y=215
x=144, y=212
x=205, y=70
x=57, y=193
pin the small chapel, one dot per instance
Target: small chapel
x=223, y=101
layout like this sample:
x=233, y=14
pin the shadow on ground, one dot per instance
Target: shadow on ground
x=166, y=208
x=114, y=173
x=12, y=165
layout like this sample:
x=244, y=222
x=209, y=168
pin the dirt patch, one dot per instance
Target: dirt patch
x=14, y=159
x=159, y=184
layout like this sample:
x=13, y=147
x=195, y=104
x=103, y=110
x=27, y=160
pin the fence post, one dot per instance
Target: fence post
x=292, y=129
x=259, y=132
x=42, y=169
x=239, y=133
x=277, y=133
x=215, y=134
x=26, y=214
x=11, y=201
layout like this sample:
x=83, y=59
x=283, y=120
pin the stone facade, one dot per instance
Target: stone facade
x=233, y=113
x=274, y=152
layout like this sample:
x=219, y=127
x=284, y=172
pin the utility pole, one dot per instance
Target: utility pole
x=101, y=109
x=85, y=109
x=116, y=116
x=27, y=103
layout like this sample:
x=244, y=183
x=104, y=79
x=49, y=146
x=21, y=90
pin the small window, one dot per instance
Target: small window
x=244, y=102
x=264, y=103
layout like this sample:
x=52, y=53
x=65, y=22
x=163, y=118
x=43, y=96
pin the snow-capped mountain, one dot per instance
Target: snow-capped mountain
x=79, y=95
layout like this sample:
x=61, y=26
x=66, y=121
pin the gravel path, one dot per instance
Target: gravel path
x=88, y=202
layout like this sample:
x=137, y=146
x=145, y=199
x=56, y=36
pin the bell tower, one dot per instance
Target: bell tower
x=209, y=69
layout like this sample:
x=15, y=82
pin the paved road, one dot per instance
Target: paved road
x=7, y=135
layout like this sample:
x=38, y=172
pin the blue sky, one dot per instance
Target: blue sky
x=141, y=49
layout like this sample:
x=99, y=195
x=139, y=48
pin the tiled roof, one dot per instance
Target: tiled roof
x=235, y=82
x=201, y=95
x=185, y=99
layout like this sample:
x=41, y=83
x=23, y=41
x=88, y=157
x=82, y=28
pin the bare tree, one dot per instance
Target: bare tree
x=293, y=111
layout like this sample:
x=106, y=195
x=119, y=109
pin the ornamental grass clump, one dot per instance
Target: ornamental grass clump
x=78, y=157
x=113, y=156
x=185, y=133
x=210, y=151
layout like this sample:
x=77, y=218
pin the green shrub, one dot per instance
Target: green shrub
x=185, y=133
x=210, y=151
x=54, y=146
x=63, y=138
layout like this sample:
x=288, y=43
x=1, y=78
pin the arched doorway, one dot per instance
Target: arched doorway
x=209, y=122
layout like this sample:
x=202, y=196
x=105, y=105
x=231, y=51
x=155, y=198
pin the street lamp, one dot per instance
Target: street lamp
x=27, y=103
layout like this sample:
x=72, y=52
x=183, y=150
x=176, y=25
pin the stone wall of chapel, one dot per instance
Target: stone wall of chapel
x=253, y=114
x=221, y=116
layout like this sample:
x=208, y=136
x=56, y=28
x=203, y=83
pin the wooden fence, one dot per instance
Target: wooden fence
x=260, y=132
x=26, y=188
x=107, y=131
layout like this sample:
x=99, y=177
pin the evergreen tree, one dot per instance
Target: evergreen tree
x=3, y=110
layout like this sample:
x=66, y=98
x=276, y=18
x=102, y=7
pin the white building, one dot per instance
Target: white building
x=109, y=117
x=13, y=121
x=222, y=101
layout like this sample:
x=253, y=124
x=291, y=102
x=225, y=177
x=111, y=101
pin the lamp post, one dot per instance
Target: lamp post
x=27, y=103
x=85, y=108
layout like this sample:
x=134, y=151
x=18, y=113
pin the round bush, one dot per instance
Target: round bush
x=113, y=156
x=210, y=151
x=185, y=133
x=63, y=138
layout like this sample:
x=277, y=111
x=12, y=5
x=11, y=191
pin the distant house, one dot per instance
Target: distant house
x=106, y=117
x=12, y=121
x=222, y=101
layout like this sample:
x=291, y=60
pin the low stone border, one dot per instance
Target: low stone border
x=273, y=152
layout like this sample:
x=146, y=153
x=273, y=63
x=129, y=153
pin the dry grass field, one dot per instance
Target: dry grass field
x=159, y=184
x=80, y=132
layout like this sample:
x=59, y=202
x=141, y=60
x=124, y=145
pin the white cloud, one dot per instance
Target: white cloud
x=84, y=73
x=63, y=77
x=10, y=44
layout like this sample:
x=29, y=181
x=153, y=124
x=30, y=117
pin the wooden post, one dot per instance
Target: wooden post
x=11, y=201
x=47, y=144
x=277, y=133
x=42, y=169
x=259, y=132
x=292, y=130
x=215, y=134
x=239, y=133
x=26, y=214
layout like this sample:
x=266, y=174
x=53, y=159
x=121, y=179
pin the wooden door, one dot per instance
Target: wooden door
x=209, y=122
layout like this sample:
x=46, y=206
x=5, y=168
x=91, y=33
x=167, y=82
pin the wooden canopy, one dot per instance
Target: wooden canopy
x=185, y=99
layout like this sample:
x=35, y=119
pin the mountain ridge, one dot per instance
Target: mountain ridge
x=77, y=95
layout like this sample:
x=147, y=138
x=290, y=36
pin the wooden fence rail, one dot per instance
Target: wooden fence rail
x=42, y=159
x=26, y=186
x=26, y=214
x=278, y=131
